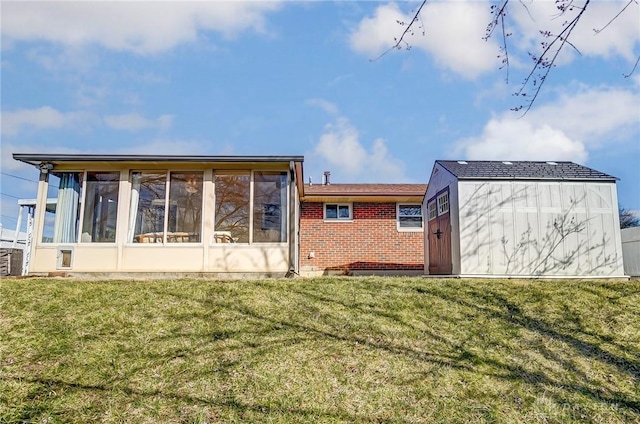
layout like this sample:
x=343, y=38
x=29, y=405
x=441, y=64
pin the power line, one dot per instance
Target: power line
x=10, y=217
x=10, y=195
x=18, y=177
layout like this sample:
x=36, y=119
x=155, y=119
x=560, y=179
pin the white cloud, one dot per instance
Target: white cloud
x=168, y=147
x=512, y=139
x=9, y=164
x=595, y=115
x=142, y=27
x=41, y=118
x=325, y=105
x=453, y=35
x=618, y=39
x=46, y=117
x=454, y=32
x=566, y=129
x=136, y=122
x=340, y=148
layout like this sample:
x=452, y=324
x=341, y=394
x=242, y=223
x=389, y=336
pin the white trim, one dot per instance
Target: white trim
x=441, y=210
x=60, y=255
x=409, y=229
x=435, y=210
x=337, y=219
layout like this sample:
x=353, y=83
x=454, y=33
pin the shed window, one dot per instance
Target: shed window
x=335, y=211
x=443, y=203
x=433, y=211
x=409, y=216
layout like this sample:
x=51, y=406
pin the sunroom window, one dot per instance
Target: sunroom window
x=246, y=216
x=100, y=207
x=185, y=207
x=157, y=216
x=269, y=207
x=232, y=190
x=62, y=215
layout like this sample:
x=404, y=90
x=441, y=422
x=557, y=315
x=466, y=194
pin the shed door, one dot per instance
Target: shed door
x=439, y=236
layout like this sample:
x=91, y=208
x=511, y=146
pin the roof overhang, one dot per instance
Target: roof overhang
x=36, y=159
x=364, y=198
x=413, y=193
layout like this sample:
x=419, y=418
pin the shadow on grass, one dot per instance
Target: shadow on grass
x=232, y=404
x=316, y=316
x=489, y=303
x=496, y=306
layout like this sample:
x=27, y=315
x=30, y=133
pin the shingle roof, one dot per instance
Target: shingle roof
x=365, y=189
x=522, y=170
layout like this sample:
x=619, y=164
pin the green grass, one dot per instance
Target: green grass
x=319, y=350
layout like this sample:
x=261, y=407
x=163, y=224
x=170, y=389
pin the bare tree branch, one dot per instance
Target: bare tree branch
x=598, y=31
x=633, y=69
x=399, y=41
x=543, y=62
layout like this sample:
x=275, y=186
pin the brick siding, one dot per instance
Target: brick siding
x=371, y=241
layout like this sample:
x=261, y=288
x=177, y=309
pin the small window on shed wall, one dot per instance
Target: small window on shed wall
x=443, y=203
x=433, y=212
x=337, y=211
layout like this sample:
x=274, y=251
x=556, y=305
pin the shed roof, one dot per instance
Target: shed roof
x=522, y=170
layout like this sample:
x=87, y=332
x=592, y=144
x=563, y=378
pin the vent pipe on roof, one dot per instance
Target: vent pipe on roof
x=327, y=175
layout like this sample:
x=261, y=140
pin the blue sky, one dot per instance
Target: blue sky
x=297, y=78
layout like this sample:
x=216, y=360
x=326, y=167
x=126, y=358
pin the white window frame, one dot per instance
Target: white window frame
x=432, y=210
x=338, y=219
x=284, y=208
x=443, y=203
x=401, y=228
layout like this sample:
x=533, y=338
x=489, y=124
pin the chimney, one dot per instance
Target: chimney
x=327, y=174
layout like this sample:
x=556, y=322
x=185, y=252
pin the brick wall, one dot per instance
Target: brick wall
x=371, y=241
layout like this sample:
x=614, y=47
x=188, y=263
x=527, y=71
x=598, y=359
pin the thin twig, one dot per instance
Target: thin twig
x=416, y=17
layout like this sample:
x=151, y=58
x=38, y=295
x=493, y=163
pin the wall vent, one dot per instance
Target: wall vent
x=65, y=258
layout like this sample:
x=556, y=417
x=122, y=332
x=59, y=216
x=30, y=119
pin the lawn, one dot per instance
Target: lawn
x=399, y=350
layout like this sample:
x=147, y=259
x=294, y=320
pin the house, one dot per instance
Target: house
x=524, y=219
x=362, y=229
x=631, y=251
x=132, y=214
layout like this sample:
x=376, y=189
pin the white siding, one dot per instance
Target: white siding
x=539, y=228
x=439, y=180
x=631, y=251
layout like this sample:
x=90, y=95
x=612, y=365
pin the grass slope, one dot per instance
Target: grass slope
x=319, y=350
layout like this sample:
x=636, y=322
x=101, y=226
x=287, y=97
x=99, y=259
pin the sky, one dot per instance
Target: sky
x=312, y=78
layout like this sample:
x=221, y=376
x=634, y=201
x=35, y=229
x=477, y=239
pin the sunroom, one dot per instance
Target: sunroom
x=116, y=214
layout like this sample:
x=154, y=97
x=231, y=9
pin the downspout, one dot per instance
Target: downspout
x=293, y=245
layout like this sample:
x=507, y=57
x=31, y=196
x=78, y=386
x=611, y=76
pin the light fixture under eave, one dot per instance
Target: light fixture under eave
x=45, y=167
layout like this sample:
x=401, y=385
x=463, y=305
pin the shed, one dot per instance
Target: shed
x=522, y=219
